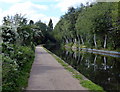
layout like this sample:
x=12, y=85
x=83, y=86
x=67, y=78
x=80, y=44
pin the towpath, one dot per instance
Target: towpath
x=48, y=74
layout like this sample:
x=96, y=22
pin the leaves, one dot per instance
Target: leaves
x=98, y=19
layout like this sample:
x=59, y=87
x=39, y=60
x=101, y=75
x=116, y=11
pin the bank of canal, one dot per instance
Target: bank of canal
x=101, y=69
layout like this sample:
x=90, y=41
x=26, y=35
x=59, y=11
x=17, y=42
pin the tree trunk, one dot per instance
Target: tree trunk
x=78, y=41
x=66, y=52
x=66, y=41
x=95, y=41
x=75, y=40
x=105, y=41
x=81, y=58
x=75, y=55
x=88, y=40
x=82, y=40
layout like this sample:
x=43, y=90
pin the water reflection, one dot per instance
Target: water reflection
x=102, y=70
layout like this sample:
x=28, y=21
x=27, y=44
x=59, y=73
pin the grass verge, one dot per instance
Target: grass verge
x=83, y=81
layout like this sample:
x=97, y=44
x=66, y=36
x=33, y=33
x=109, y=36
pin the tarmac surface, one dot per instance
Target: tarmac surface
x=48, y=74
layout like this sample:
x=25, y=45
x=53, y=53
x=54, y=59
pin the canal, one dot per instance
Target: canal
x=101, y=69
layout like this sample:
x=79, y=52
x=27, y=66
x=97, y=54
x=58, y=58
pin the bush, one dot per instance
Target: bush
x=17, y=63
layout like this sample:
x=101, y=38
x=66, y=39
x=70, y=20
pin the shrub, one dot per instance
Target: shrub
x=16, y=65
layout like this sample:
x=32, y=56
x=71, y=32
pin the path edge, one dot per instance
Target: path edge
x=86, y=83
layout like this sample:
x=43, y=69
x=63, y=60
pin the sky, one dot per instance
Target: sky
x=38, y=9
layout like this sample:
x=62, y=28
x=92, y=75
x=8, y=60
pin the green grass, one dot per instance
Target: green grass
x=83, y=81
x=92, y=86
x=77, y=76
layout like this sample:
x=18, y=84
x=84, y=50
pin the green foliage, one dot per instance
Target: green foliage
x=46, y=31
x=95, y=26
x=16, y=30
x=50, y=25
x=16, y=65
x=69, y=44
x=18, y=47
x=17, y=53
x=8, y=34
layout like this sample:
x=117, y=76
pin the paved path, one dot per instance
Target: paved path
x=48, y=74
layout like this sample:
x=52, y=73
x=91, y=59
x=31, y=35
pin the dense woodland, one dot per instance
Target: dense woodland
x=95, y=25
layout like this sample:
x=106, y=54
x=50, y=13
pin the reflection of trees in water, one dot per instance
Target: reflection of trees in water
x=99, y=69
x=90, y=60
x=78, y=59
x=102, y=70
x=104, y=65
x=95, y=65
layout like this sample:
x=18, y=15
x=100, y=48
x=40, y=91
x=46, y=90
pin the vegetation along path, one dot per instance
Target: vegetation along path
x=48, y=74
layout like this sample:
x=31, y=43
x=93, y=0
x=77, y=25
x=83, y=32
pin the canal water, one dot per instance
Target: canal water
x=102, y=70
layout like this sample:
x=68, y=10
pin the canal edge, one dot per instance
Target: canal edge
x=86, y=83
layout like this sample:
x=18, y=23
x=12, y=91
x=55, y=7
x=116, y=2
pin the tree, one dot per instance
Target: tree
x=10, y=28
x=71, y=10
x=31, y=22
x=94, y=26
x=50, y=25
